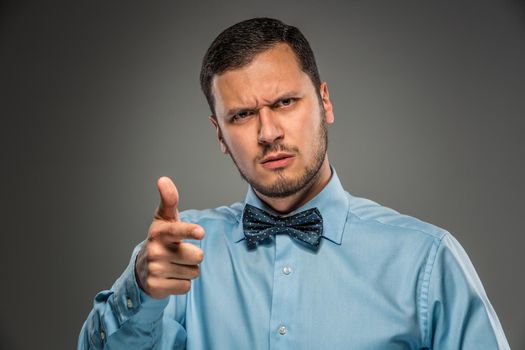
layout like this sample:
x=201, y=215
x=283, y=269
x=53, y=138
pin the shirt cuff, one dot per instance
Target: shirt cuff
x=151, y=307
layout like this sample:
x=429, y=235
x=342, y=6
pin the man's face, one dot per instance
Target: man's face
x=271, y=121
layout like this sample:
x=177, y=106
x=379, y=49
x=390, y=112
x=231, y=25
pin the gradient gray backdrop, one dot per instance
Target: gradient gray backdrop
x=99, y=98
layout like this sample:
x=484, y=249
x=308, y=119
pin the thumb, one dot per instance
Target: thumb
x=169, y=200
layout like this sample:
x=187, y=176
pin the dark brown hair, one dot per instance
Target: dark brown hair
x=237, y=45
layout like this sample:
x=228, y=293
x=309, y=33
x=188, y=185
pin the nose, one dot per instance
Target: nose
x=269, y=127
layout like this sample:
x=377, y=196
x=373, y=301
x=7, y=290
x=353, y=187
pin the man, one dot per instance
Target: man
x=300, y=264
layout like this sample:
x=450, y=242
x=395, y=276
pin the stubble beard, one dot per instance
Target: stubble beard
x=284, y=186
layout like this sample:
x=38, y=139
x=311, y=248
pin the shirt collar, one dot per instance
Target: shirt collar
x=332, y=202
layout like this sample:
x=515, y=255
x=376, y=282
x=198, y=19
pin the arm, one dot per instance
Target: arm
x=459, y=313
x=125, y=317
x=140, y=311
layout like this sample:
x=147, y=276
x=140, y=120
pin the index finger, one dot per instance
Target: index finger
x=173, y=232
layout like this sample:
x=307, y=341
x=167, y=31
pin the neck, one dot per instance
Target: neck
x=287, y=204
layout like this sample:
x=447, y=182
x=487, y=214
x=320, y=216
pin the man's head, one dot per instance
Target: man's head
x=237, y=45
x=270, y=112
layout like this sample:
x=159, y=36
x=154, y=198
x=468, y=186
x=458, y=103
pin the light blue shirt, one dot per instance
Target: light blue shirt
x=379, y=280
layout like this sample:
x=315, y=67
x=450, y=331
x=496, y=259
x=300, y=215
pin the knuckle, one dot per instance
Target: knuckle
x=176, y=231
x=153, y=269
x=173, y=228
x=151, y=258
x=154, y=231
x=154, y=253
x=151, y=285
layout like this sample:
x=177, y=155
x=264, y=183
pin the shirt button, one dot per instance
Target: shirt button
x=282, y=330
x=287, y=270
x=102, y=335
x=129, y=303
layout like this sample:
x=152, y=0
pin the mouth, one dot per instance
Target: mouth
x=277, y=160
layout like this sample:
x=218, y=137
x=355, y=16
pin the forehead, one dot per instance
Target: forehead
x=272, y=73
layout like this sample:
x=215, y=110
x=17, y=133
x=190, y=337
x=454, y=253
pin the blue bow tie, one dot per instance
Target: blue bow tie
x=258, y=225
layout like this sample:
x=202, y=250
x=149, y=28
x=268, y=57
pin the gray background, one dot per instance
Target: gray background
x=99, y=98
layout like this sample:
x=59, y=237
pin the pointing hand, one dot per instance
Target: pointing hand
x=166, y=264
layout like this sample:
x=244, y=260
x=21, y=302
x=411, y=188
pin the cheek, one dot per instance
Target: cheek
x=306, y=131
x=240, y=145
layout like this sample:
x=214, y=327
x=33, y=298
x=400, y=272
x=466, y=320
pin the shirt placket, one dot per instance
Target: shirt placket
x=282, y=325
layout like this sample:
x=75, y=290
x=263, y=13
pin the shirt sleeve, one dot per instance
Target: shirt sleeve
x=125, y=317
x=460, y=315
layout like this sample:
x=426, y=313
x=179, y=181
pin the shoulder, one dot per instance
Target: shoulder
x=226, y=213
x=372, y=215
x=218, y=223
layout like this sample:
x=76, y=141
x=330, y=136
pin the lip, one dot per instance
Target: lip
x=278, y=160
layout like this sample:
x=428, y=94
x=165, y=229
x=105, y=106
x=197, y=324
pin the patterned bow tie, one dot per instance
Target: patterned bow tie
x=258, y=225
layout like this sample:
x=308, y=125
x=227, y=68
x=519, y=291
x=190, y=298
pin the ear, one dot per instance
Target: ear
x=215, y=123
x=327, y=104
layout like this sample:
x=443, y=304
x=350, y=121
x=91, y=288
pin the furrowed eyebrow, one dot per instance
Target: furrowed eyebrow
x=285, y=96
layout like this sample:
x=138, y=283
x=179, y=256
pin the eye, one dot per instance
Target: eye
x=242, y=115
x=285, y=102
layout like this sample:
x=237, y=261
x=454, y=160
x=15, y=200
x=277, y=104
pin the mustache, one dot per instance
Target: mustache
x=277, y=147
